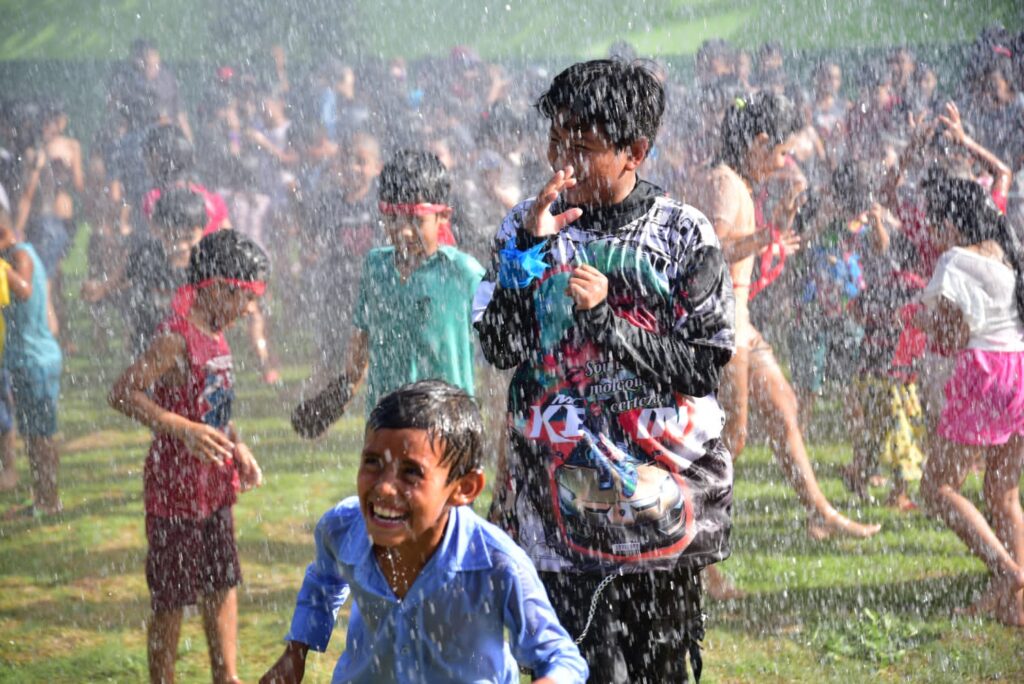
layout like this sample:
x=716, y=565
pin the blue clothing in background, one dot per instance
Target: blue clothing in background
x=29, y=340
x=450, y=627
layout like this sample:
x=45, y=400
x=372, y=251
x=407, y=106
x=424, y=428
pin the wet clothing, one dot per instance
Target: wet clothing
x=51, y=237
x=644, y=624
x=985, y=394
x=613, y=454
x=894, y=426
x=32, y=356
x=419, y=328
x=450, y=626
x=176, y=483
x=188, y=558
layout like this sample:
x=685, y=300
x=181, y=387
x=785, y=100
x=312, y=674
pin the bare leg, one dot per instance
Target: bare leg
x=773, y=395
x=45, y=461
x=8, y=473
x=162, y=645
x=220, y=622
x=734, y=394
x=258, y=336
x=944, y=474
x=720, y=587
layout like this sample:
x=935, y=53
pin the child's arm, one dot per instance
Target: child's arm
x=997, y=167
x=312, y=417
x=537, y=639
x=19, y=275
x=323, y=593
x=250, y=475
x=130, y=397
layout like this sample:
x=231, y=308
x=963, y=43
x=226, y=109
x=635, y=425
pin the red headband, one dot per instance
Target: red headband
x=185, y=297
x=421, y=209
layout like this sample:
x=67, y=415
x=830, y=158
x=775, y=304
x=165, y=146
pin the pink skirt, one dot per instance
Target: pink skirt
x=984, y=398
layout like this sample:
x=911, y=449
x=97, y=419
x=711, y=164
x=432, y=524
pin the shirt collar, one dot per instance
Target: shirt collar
x=463, y=547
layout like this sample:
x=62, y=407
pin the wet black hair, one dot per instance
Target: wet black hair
x=713, y=48
x=853, y=186
x=179, y=209
x=972, y=212
x=447, y=413
x=624, y=98
x=766, y=112
x=227, y=254
x=171, y=153
x=413, y=176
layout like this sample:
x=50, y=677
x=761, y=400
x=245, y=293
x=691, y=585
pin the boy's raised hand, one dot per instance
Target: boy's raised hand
x=207, y=443
x=539, y=220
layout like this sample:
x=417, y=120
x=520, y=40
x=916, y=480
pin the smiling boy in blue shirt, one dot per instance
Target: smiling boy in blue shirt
x=435, y=586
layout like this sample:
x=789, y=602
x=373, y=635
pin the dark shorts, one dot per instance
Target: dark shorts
x=188, y=558
x=35, y=391
x=51, y=237
x=643, y=625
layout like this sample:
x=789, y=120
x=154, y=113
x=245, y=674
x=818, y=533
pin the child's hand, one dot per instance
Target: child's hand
x=954, y=127
x=290, y=667
x=539, y=221
x=588, y=287
x=249, y=473
x=207, y=443
x=790, y=242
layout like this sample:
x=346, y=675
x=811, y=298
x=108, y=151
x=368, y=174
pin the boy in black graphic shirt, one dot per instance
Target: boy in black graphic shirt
x=614, y=304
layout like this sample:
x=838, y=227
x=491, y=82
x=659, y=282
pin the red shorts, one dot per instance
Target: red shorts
x=188, y=558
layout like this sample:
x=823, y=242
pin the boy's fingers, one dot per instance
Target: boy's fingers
x=567, y=217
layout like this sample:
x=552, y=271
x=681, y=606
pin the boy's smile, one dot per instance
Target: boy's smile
x=404, y=491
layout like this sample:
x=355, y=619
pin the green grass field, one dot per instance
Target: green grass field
x=73, y=598
x=524, y=29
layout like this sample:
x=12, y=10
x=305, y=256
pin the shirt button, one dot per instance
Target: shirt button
x=405, y=650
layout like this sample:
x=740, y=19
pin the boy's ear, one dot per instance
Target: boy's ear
x=636, y=153
x=467, y=488
x=445, y=215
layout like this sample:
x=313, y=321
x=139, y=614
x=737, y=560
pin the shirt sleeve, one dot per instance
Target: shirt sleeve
x=537, y=639
x=323, y=590
x=504, y=317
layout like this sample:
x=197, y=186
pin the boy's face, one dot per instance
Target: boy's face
x=359, y=167
x=232, y=302
x=604, y=175
x=178, y=243
x=414, y=236
x=404, y=492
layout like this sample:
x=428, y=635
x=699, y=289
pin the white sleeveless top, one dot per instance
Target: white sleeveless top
x=983, y=289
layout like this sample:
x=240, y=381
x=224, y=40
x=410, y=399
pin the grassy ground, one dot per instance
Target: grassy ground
x=73, y=598
x=537, y=29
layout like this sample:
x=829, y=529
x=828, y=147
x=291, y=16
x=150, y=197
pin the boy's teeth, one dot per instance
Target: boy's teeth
x=385, y=512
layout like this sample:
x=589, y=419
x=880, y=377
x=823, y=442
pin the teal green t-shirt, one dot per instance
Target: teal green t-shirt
x=420, y=328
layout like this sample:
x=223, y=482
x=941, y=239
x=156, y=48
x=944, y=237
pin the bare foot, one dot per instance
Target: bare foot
x=821, y=527
x=720, y=587
x=271, y=376
x=901, y=502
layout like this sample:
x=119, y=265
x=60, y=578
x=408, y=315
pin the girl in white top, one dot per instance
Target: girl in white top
x=975, y=302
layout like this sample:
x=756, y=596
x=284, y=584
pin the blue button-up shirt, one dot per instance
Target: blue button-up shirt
x=450, y=626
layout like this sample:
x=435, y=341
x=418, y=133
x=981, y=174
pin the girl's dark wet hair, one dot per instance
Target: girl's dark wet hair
x=413, y=176
x=179, y=209
x=745, y=119
x=227, y=254
x=853, y=186
x=447, y=414
x=170, y=153
x=972, y=212
x=624, y=98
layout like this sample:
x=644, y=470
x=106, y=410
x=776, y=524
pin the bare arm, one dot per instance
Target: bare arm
x=945, y=324
x=77, y=174
x=19, y=276
x=130, y=396
x=999, y=169
x=29, y=193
